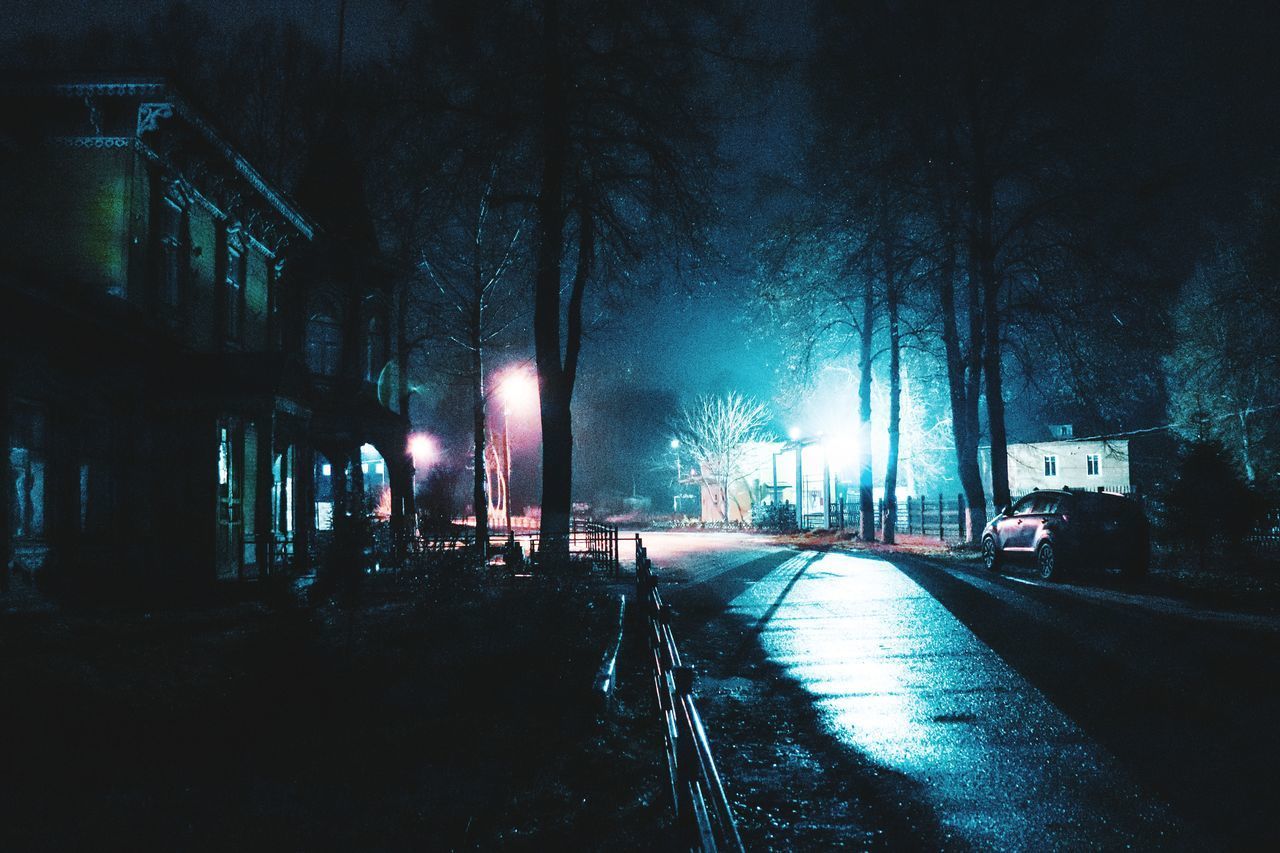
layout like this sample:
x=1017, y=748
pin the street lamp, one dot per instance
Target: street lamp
x=519, y=390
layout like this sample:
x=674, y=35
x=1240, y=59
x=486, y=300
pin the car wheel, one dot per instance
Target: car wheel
x=990, y=554
x=1047, y=564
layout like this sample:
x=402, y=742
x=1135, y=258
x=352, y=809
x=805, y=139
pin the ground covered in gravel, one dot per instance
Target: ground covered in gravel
x=431, y=715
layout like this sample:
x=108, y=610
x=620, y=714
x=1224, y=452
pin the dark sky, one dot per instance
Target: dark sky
x=699, y=340
x=1205, y=70
x=371, y=24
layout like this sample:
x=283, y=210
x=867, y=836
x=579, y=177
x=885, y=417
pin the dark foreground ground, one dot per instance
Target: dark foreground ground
x=858, y=699
x=437, y=718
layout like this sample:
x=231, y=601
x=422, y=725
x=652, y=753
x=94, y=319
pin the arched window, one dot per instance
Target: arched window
x=324, y=343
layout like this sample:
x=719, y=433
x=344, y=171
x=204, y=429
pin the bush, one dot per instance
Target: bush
x=1209, y=503
x=779, y=518
x=437, y=501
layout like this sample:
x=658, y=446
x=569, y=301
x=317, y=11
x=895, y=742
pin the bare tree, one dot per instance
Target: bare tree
x=715, y=431
x=471, y=301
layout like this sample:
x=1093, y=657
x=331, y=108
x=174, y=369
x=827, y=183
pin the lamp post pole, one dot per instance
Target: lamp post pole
x=675, y=496
x=506, y=453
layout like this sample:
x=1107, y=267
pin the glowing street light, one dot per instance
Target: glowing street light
x=518, y=389
x=424, y=449
x=794, y=433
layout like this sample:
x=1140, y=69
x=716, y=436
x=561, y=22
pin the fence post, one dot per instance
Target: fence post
x=909, y=514
x=686, y=756
x=962, y=521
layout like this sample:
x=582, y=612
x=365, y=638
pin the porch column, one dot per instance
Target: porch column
x=263, y=528
x=400, y=467
x=304, y=497
x=826, y=487
x=6, y=483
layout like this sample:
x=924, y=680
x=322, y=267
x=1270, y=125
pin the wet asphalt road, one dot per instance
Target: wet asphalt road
x=1030, y=716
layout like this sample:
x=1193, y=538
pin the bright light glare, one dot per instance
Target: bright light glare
x=424, y=449
x=519, y=391
x=675, y=444
x=794, y=433
x=841, y=449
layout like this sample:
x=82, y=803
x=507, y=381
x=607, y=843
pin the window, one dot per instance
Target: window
x=1051, y=466
x=173, y=247
x=27, y=461
x=324, y=342
x=233, y=295
x=1093, y=465
x=1046, y=504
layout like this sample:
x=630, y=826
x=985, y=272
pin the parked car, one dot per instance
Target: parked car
x=1066, y=531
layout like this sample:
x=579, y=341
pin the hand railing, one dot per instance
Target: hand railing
x=703, y=815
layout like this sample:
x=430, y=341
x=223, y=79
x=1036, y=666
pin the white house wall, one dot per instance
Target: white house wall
x=1027, y=465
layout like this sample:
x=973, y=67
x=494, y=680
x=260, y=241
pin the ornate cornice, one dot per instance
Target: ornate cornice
x=149, y=115
x=92, y=141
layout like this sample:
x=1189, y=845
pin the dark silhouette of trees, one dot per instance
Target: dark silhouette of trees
x=1222, y=368
x=468, y=306
x=603, y=119
x=1209, y=502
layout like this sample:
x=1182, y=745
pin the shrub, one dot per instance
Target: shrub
x=1209, y=503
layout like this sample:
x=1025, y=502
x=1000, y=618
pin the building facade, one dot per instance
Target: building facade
x=166, y=381
x=1088, y=464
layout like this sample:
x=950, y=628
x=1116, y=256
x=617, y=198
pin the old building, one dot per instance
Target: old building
x=1061, y=460
x=172, y=357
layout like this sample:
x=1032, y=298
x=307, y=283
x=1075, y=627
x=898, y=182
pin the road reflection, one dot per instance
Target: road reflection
x=898, y=678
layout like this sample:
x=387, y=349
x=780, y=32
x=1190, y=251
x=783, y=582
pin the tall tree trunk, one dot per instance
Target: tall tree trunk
x=725, y=481
x=895, y=409
x=963, y=378
x=995, y=389
x=479, y=434
x=866, y=496
x=554, y=391
x=982, y=252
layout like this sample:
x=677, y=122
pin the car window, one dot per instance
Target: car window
x=1047, y=504
x=1024, y=506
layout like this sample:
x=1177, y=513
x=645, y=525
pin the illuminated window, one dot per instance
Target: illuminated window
x=1093, y=464
x=326, y=469
x=1051, y=466
x=364, y=467
x=27, y=461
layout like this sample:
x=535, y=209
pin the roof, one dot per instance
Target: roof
x=157, y=100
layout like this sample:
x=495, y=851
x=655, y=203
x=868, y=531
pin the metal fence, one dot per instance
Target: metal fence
x=703, y=816
x=591, y=542
x=939, y=517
